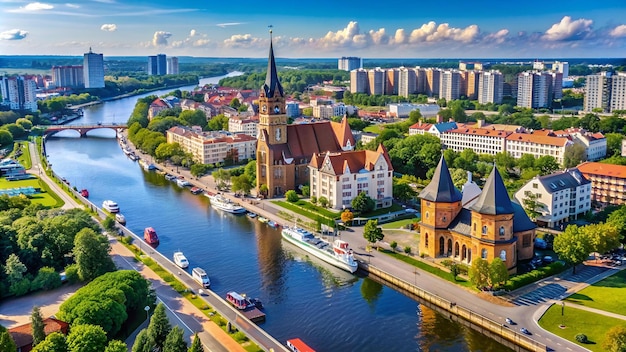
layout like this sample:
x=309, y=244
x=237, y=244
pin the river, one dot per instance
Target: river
x=329, y=309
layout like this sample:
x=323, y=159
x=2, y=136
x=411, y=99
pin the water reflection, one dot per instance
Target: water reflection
x=371, y=291
x=271, y=261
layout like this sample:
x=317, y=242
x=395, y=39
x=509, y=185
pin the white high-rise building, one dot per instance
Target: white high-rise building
x=93, y=70
x=19, y=93
x=490, y=87
x=358, y=81
x=172, y=65
x=407, y=82
x=605, y=91
x=450, y=85
x=68, y=76
x=349, y=63
x=618, y=92
x=534, y=89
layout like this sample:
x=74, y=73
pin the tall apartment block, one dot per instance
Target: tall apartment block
x=490, y=87
x=377, y=79
x=606, y=91
x=407, y=81
x=93, y=70
x=433, y=78
x=349, y=63
x=68, y=76
x=19, y=93
x=450, y=85
x=358, y=81
x=172, y=65
x=469, y=84
x=393, y=81
x=534, y=89
x=157, y=65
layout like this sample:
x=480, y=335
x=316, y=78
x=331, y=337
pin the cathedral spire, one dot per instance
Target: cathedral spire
x=494, y=199
x=272, y=84
x=441, y=188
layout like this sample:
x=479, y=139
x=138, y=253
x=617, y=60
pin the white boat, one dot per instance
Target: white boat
x=251, y=215
x=180, y=260
x=120, y=218
x=111, y=206
x=337, y=253
x=181, y=182
x=221, y=203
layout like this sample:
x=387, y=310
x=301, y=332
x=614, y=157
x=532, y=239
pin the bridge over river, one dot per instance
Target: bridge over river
x=82, y=129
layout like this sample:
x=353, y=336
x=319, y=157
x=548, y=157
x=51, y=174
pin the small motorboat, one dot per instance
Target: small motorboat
x=240, y=301
x=170, y=177
x=120, y=218
x=251, y=215
x=150, y=236
x=181, y=182
x=84, y=192
x=263, y=219
x=297, y=345
x=196, y=190
x=273, y=224
x=180, y=260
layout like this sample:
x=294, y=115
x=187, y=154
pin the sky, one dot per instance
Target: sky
x=382, y=29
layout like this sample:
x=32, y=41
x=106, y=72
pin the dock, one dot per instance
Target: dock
x=254, y=314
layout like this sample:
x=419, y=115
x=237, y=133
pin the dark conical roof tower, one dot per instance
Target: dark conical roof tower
x=272, y=84
x=441, y=188
x=494, y=199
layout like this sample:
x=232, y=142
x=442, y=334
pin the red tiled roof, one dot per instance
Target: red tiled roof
x=601, y=169
x=22, y=335
x=538, y=139
x=481, y=132
x=354, y=160
x=421, y=126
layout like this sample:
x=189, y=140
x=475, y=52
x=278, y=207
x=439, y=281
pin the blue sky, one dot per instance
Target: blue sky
x=389, y=29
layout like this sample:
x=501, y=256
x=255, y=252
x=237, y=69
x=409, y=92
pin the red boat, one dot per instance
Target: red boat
x=297, y=345
x=150, y=236
x=84, y=192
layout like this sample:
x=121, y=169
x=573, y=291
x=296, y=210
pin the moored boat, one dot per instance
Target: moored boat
x=297, y=345
x=181, y=182
x=150, y=236
x=196, y=190
x=84, y=192
x=336, y=253
x=120, y=218
x=180, y=260
x=251, y=215
x=242, y=302
x=110, y=206
x=263, y=219
x=272, y=224
x=221, y=203
x=170, y=177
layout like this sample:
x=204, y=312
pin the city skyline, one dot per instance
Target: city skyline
x=408, y=30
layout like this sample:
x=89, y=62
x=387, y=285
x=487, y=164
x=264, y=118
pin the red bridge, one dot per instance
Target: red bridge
x=82, y=129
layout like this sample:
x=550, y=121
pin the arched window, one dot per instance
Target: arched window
x=501, y=230
x=483, y=253
x=474, y=227
x=427, y=215
x=484, y=229
x=456, y=249
x=426, y=240
x=503, y=255
x=442, y=242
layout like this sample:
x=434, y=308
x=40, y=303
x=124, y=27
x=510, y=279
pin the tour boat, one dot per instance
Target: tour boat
x=221, y=203
x=84, y=192
x=150, y=236
x=120, y=218
x=242, y=302
x=111, y=206
x=180, y=260
x=337, y=253
x=297, y=345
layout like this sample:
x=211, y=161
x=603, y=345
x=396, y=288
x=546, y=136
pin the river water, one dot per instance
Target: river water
x=329, y=309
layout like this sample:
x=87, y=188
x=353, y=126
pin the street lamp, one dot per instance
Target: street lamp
x=147, y=309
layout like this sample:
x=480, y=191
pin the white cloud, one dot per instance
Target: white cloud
x=73, y=6
x=243, y=41
x=13, y=34
x=192, y=33
x=108, y=27
x=619, y=31
x=160, y=38
x=568, y=30
x=224, y=25
x=431, y=32
x=38, y=6
x=497, y=37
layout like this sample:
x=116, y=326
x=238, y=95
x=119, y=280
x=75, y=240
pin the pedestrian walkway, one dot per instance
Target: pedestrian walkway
x=595, y=310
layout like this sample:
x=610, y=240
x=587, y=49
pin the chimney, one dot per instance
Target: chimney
x=480, y=123
x=420, y=122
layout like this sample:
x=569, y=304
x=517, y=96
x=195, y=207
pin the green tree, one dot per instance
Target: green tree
x=241, y=184
x=574, y=155
x=159, y=327
x=615, y=340
x=546, y=164
x=86, y=338
x=531, y=205
x=142, y=342
x=572, y=245
x=55, y=342
x=617, y=218
x=292, y=196
x=603, y=236
x=306, y=191
x=196, y=345
x=363, y=204
x=479, y=272
x=91, y=252
x=498, y=274
x=116, y=346
x=36, y=322
x=14, y=269
x=6, y=341
x=175, y=341
x=371, y=232
x=323, y=201
x=402, y=190
x=6, y=138
x=218, y=123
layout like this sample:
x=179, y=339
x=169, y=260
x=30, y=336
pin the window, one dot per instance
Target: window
x=484, y=253
x=484, y=230
x=426, y=240
x=526, y=241
x=503, y=255
x=427, y=215
x=444, y=218
x=474, y=227
x=501, y=230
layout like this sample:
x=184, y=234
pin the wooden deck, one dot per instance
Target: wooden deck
x=254, y=314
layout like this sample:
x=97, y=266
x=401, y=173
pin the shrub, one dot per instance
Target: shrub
x=47, y=278
x=582, y=338
x=292, y=196
x=393, y=245
x=407, y=249
x=71, y=273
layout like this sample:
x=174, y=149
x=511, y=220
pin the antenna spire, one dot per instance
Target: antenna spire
x=270, y=27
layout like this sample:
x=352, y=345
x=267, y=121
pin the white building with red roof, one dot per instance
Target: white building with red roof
x=214, y=146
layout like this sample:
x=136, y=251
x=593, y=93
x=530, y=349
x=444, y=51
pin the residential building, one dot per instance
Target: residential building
x=618, y=92
x=481, y=140
x=608, y=182
x=432, y=81
x=469, y=66
x=243, y=125
x=490, y=87
x=450, y=85
x=470, y=84
x=214, y=146
x=341, y=176
x=560, y=197
x=534, y=89
x=293, y=109
x=329, y=111
x=393, y=81
x=598, y=92
x=172, y=65
x=404, y=109
x=93, y=70
x=19, y=93
x=483, y=224
x=349, y=63
x=537, y=145
x=594, y=143
x=156, y=107
x=377, y=80
x=367, y=137
x=359, y=82
x=22, y=335
x=157, y=65
x=557, y=85
x=68, y=76
x=284, y=151
x=407, y=81
x=436, y=129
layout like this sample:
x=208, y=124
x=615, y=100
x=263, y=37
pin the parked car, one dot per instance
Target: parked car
x=540, y=243
x=547, y=259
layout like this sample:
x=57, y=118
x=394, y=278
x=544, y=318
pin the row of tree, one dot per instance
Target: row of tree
x=291, y=80
x=160, y=336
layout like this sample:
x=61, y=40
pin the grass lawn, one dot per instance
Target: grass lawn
x=314, y=208
x=607, y=294
x=47, y=198
x=393, y=208
x=24, y=159
x=399, y=224
x=298, y=210
x=578, y=321
x=373, y=129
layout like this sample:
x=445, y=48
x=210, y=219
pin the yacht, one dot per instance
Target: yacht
x=336, y=253
x=111, y=206
x=180, y=260
x=221, y=203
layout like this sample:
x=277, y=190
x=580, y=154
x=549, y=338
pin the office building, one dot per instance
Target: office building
x=349, y=63
x=93, y=70
x=172, y=65
x=19, y=93
x=359, y=82
x=490, y=87
x=157, y=65
x=534, y=89
x=68, y=76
